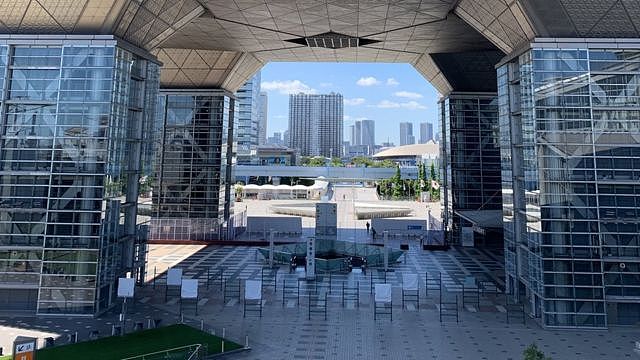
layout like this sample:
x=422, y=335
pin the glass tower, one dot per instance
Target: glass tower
x=570, y=134
x=75, y=119
x=470, y=160
x=193, y=199
x=248, y=120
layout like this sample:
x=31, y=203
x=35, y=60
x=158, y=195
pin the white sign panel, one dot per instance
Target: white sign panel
x=25, y=347
x=410, y=281
x=174, y=277
x=383, y=293
x=311, y=258
x=467, y=236
x=125, y=287
x=189, y=289
x=253, y=290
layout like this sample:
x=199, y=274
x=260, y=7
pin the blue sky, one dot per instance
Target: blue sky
x=386, y=93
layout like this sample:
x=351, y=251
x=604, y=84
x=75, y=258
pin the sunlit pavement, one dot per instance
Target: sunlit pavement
x=350, y=332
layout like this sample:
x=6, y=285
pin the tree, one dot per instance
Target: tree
x=316, y=161
x=434, y=186
x=421, y=181
x=384, y=164
x=362, y=161
x=336, y=162
x=396, y=183
x=432, y=173
x=533, y=353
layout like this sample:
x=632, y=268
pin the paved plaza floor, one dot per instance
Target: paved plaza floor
x=287, y=331
x=346, y=198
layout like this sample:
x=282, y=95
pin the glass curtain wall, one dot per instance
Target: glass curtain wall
x=193, y=167
x=573, y=132
x=69, y=168
x=470, y=158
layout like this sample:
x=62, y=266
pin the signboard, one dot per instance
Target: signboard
x=414, y=227
x=253, y=290
x=174, y=277
x=311, y=257
x=126, y=287
x=326, y=221
x=189, y=289
x=24, y=348
x=383, y=293
x=410, y=281
x=466, y=236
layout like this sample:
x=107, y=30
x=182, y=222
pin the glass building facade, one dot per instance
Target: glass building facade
x=192, y=199
x=247, y=134
x=570, y=137
x=76, y=111
x=469, y=160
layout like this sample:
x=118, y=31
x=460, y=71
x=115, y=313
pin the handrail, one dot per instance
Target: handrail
x=197, y=348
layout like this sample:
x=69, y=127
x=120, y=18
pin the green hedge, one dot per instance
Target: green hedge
x=136, y=343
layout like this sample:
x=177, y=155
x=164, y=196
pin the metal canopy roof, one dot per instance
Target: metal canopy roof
x=221, y=43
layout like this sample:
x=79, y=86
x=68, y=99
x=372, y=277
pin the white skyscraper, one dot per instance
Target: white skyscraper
x=368, y=134
x=406, y=134
x=426, y=132
x=248, y=98
x=262, y=117
x=316, y=124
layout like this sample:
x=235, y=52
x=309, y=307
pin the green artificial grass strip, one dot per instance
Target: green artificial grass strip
x=8, y=357
x=137, y=343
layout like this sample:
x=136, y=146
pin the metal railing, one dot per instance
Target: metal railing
x=188, y=352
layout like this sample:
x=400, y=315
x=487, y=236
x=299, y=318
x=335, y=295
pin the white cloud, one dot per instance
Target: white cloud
x=347, y=118
x=407, y=94
x=386, y=104
x=288, y=87
x=367, y=81
x=392, y=82
x=354, y=101
x=411, y=105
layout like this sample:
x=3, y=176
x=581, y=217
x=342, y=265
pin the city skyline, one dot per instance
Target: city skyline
x=385, y=93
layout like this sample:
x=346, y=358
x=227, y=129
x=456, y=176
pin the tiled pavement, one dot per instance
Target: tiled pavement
x=285, y=332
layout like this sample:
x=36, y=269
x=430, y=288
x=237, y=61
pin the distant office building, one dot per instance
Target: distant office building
x=286, y=139
x=76, y=126
x=316, y=124
x=358, y=133
x=355, y=134
x=192, y=199
x=426, y=132
x=368, y=135
x=262, y=118
x=276, y=155
x=356, y=150
x=406, y=134
x=275, y=139
x=363, y=134
x=247, y=119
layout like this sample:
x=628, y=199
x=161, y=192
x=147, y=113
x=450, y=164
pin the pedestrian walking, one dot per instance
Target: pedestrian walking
x=368, y=225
